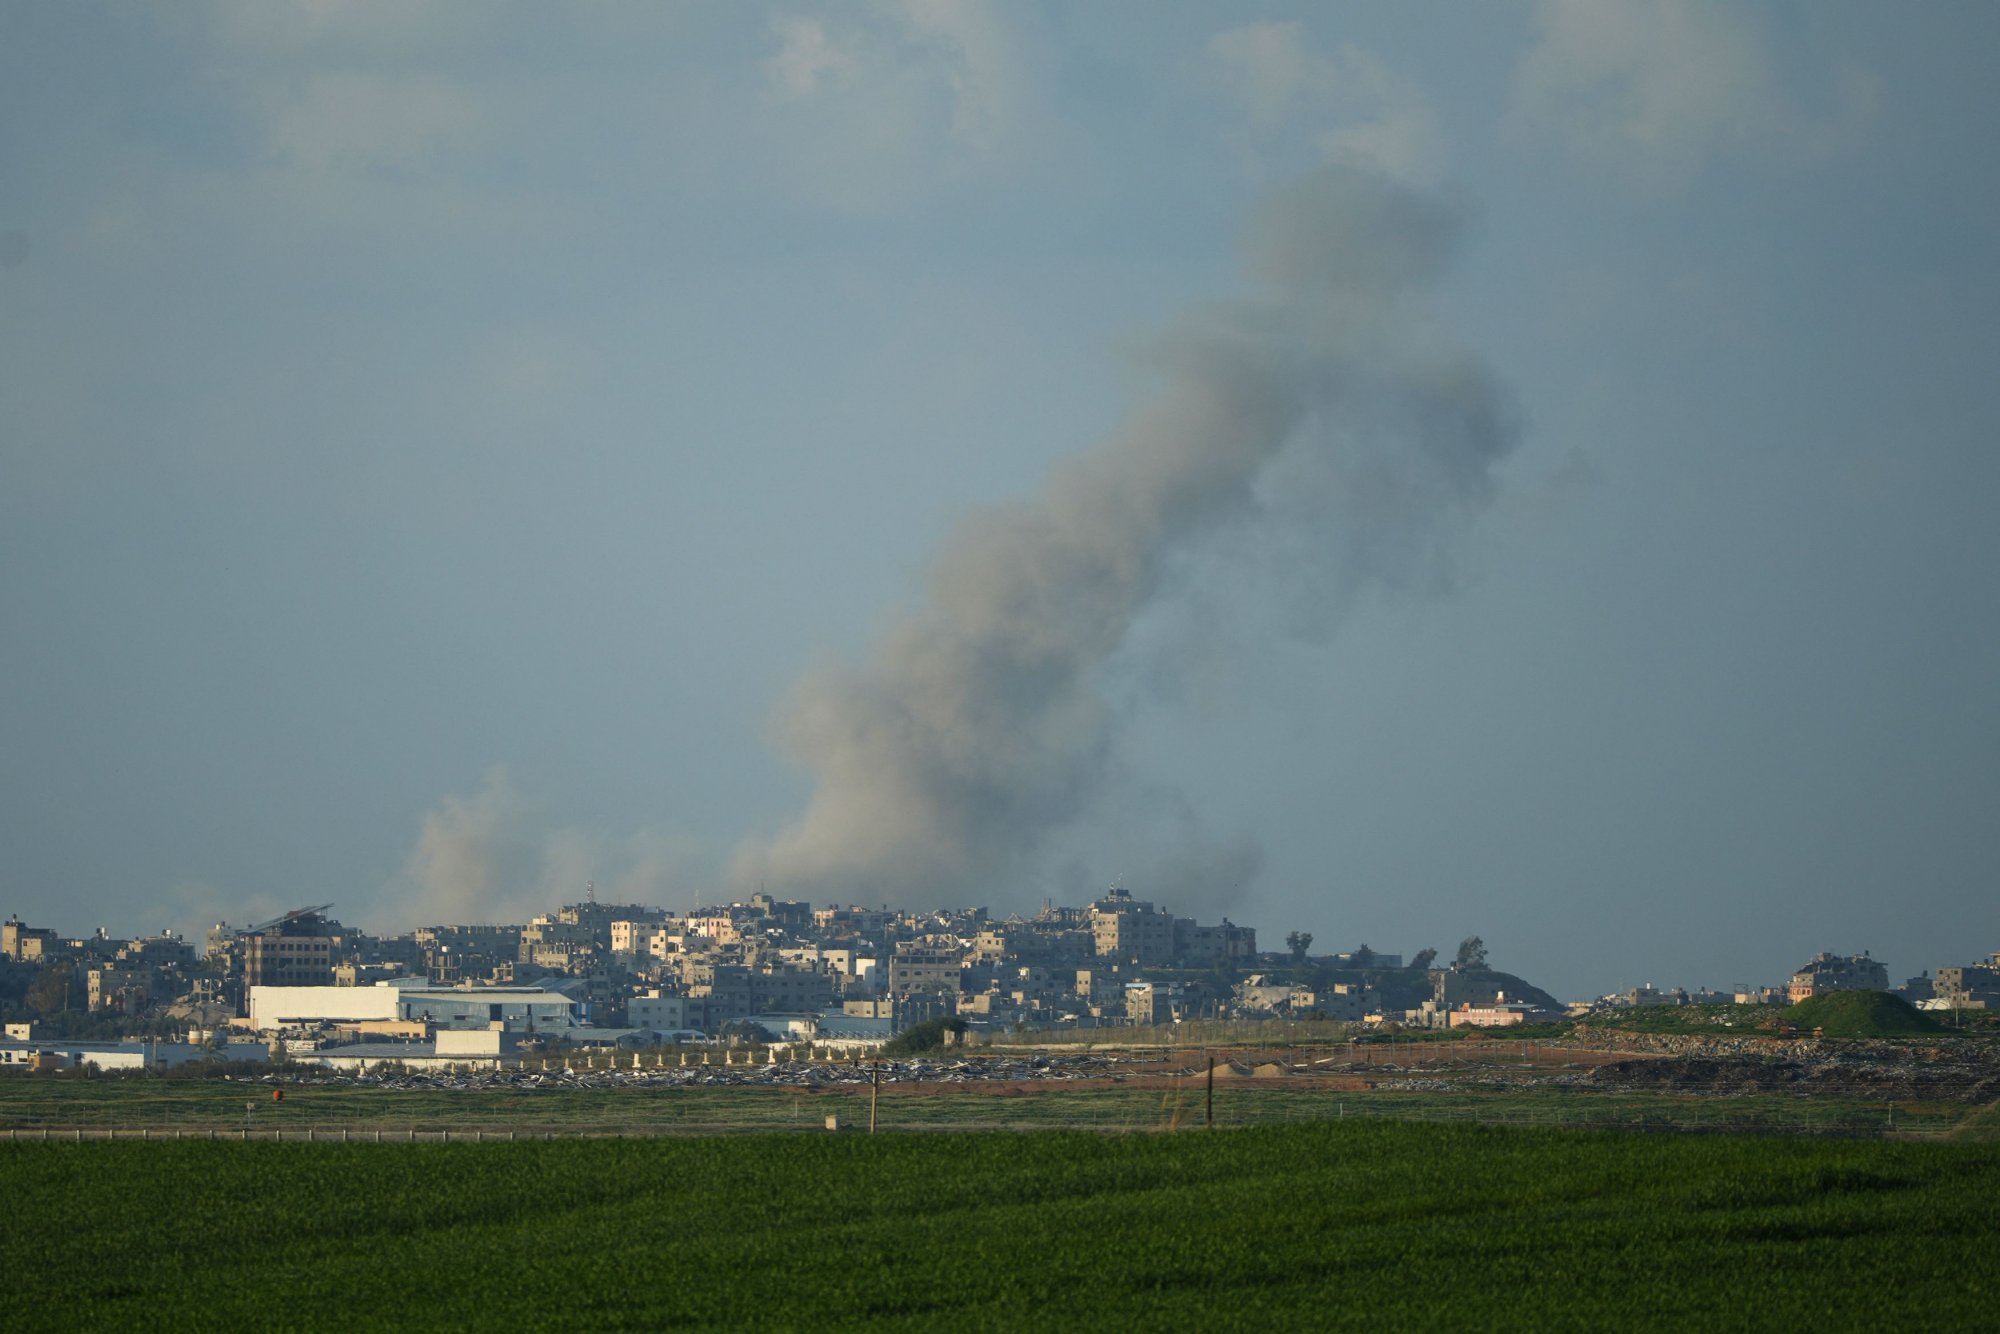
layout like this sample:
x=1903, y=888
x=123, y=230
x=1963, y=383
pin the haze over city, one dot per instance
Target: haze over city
x=1521, y=469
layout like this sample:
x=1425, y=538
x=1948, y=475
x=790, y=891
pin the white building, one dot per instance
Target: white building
x=666, y=1012
x=138, y=1055
x=405, y=1000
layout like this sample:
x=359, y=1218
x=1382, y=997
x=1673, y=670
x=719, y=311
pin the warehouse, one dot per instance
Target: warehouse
x=521, y=1008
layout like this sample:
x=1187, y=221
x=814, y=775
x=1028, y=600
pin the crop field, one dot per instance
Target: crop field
x=1332, y=1224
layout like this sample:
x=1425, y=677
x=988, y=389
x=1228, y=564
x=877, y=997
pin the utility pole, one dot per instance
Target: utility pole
x=874, y=1095
x=1211, y=1092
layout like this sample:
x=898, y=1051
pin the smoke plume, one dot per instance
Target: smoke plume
x=1328, y=404
x=491, y=857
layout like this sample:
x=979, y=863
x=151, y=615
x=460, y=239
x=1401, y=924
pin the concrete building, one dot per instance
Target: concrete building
x=1974, y=986
x=1131, y=930
x=1344, y=1001
x=1155, y=1002
x=1497, y=1013
x=925, y=965
x=126, y=989
x=1837, y=972
x=666, y=1011
x=26, y=944
x=295, y=951
x=1198, y=946
x=724, y=989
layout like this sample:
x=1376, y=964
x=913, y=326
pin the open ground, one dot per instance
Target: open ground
x=1707, y=1084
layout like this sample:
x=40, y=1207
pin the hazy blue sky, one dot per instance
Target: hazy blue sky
x=451, y=453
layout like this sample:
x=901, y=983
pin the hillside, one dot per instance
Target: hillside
x=1859, y=1014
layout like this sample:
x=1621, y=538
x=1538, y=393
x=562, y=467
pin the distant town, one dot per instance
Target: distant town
x=764, y=973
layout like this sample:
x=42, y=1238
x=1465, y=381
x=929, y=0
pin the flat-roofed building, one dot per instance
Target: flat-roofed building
x=1837, y=972
x=920, y=965
x=297, y=950
x=274, y=1008
x=1131, y=930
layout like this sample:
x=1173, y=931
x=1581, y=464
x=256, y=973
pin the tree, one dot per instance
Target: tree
x=1471, y=953
x=927, y=1036
x=1425, y=957
x=1298, y=942
x=53, y=989
x=1363, y=957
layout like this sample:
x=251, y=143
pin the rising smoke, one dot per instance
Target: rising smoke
x=1328, y=405
x=490, y=857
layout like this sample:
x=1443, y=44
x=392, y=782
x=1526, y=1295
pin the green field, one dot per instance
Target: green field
x=164, y=1108
x=1330, y=1225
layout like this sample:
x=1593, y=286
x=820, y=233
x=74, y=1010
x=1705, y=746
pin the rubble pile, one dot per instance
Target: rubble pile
x=1874, y=1070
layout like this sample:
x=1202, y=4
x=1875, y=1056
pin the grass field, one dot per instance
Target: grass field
x=165, y=1107
x=1327, y=1225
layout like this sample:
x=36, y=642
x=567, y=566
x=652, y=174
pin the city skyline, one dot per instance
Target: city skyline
x=1316, y=947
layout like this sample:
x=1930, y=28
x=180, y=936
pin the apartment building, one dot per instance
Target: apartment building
x=1837, y=972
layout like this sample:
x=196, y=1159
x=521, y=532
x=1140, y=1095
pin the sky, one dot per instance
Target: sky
x=1393, y=472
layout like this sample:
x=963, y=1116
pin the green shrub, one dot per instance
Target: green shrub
x=927, y=1036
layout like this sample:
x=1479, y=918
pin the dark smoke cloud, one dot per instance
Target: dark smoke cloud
x=1327, y=407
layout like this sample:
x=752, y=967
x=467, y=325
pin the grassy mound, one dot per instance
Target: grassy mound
x=1860, y=1014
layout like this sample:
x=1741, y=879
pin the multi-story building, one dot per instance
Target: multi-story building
x=555, y=943
x=1198, y=946
x=925, y=965
x=666, y=1011
x=1346, y=1002
x=296, y=950
x=785, y=914
x=458, y=953
x=631, y=935
x=26, y=944
x=725, y=990
x=125, y=988
x=1837, y=972
x=777, y=988
x=1496, y=1013
x=165, y=950
x=838, y=921
x=1973, y=986
x=1155, y=1002
x=1131, y=930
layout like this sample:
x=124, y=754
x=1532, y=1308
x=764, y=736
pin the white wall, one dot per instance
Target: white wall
x=282, y=1007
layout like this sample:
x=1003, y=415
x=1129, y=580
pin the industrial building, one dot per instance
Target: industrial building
x=414, y=1001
